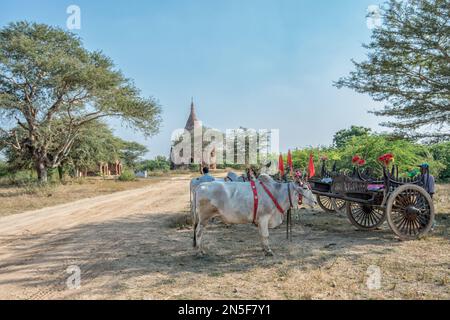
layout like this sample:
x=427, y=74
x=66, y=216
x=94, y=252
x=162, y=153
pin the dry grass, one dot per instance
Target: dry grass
x=442, y=199
x=141, y=248
x=328, y=259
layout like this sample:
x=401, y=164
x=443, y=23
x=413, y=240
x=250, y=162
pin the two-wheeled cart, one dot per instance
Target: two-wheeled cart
x=368, y=202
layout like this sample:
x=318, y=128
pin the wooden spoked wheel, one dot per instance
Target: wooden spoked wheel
x=339, y=205
x=365, y=217
x=410, y=212
x=326, y=203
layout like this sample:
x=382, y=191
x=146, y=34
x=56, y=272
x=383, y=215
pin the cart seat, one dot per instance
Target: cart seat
x=375, y=187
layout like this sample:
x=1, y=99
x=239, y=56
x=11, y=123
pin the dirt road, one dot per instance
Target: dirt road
x=134, y=245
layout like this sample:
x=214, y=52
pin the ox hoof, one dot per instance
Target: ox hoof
x=268, y=253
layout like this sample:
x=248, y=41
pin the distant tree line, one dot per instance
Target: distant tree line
x=369, y=146
x=95, y=143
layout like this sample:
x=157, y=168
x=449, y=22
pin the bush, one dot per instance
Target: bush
x=127, y=175
x=160, y=163
x=3, y=169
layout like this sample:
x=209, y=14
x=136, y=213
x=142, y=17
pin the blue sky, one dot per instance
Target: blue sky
x=252, y=63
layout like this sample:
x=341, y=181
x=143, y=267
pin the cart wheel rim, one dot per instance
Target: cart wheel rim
x=330, y=204
x=410, y=212
x=338, y=205
x=325, y=203
x=365, y=217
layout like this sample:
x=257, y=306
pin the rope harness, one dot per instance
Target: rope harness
x=271, y=196
x=277, y=205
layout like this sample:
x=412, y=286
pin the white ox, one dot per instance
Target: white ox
x=193, y=185
x=231, y=177
x=233, y=203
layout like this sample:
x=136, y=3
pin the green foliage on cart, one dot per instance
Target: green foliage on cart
x=408, y=154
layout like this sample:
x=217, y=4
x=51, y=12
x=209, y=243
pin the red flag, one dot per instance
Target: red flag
x=312, y=170
x=281, y=165
x=289, y=162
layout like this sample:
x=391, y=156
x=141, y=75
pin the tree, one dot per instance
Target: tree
x=3, y=168
x=160, y=163
x=132, y=152
x=341, y=137
x=51, y=87
x=408, y=68
x=441, y=152
x=95, y=143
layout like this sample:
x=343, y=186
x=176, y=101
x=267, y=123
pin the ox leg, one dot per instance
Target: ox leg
x=199, y=237
x=263, y=226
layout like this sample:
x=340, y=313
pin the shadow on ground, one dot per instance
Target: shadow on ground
x=148, y=244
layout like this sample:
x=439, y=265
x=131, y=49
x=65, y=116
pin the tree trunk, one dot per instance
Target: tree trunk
x=61, y=172
x=41, y=170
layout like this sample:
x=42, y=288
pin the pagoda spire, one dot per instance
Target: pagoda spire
x=192, y=121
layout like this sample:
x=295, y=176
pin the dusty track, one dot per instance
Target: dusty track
x=129, y=245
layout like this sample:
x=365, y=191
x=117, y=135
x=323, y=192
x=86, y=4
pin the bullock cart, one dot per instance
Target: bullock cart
x=368, y=202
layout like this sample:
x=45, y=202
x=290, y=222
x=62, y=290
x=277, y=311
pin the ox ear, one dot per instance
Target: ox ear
x=265, y=178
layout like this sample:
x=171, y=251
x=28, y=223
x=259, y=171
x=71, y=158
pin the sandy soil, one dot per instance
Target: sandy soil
x=137, y=244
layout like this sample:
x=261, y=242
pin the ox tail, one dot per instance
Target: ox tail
x=195, y=218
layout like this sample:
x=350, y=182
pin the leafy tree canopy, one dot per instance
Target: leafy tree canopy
x=343, y=136
x=94, y=144
x=50, y=87
x=408, y=68
x=132, y=152
x=441, y=152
